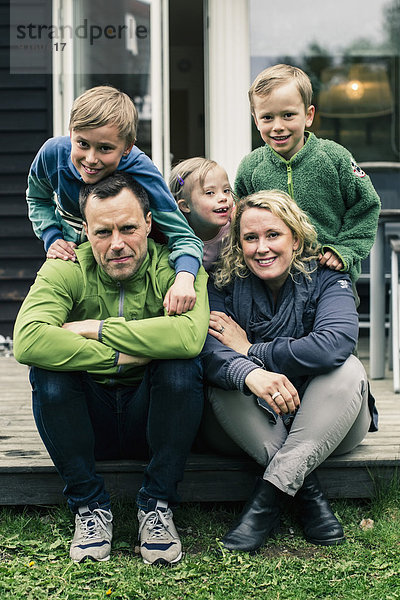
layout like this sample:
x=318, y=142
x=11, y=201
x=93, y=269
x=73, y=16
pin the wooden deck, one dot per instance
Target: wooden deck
x=27, y=475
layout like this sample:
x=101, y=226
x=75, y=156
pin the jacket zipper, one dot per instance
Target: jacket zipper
x=289, y=179
x=121, y=310
x=121, y=300
x=120, y=314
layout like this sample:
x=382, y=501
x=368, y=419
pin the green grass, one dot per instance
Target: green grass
x=34, y=563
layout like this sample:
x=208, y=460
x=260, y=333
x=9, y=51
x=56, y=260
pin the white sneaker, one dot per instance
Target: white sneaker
x=93, y=535
x=158, y=539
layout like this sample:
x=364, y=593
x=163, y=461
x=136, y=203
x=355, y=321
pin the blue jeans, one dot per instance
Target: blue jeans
x=81, y=421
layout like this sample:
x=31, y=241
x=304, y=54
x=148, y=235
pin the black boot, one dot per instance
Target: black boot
x=259, y=519
x=315, y=514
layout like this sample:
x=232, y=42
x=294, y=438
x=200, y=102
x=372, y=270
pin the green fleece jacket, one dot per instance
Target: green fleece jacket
x=134, y=318
x=326, y=183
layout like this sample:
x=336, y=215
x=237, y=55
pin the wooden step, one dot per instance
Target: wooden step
x=27, y=474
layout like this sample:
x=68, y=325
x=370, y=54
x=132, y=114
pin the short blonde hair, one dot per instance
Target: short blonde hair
x=180, y=180
x=278, y=75
x=105, y=105
x=281, y=205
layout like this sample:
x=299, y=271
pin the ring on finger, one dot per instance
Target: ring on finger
x=276, y=395
x=222, y=329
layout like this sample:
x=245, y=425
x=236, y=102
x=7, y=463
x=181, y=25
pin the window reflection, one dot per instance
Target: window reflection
x=351, y=53
x=113, y=48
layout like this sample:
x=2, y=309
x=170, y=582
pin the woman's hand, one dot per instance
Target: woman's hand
x=227, y=331
x=62, y=249
x=275, y=389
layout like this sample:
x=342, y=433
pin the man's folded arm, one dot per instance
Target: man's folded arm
x=39, y=339
x=165, y=337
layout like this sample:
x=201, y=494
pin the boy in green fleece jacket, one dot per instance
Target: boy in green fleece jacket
x=320, y=175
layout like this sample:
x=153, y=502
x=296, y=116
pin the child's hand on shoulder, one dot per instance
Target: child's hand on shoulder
x=181, y=296
x=62, y=249
x=331, y=260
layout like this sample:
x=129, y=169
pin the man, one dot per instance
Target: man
x=113, y=376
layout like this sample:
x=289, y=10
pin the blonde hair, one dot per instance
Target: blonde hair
x=279, y=75
x=180, y=180
x=281, y=205
x=105, y=105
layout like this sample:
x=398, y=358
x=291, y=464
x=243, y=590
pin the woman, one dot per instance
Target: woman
x=287, y=388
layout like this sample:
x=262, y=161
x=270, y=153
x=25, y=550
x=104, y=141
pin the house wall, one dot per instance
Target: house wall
x=25, y=123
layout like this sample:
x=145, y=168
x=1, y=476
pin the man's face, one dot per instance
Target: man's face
x=117, y=230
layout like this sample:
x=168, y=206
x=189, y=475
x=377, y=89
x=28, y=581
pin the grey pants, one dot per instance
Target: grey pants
x=333, y=418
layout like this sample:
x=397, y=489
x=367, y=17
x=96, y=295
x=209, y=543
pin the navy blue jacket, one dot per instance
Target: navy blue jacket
x=330, y=338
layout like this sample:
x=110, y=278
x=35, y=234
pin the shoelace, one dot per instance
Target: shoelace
x=157, y=523
x=90, y=524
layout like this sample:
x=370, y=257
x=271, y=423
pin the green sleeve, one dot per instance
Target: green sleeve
x=182, y=240
x=359, y=225
x=243, y=186
x=164, y=337
x=39, y=339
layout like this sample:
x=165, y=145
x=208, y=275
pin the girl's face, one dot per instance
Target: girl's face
x=268, y=245
x=210, y=206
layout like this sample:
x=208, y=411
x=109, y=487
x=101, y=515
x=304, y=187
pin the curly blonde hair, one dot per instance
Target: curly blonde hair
x=280, y=204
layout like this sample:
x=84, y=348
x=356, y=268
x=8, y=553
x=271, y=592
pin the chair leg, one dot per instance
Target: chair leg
x=395, y=321
x=390, y=337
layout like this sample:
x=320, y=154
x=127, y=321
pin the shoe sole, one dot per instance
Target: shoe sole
x=90, y=558
x=332, y=542
x=161, y=562
x=272, y=535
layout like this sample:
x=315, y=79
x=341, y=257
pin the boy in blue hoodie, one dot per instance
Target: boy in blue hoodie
x=103, y=125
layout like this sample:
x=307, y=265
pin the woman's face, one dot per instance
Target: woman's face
x=267, y=244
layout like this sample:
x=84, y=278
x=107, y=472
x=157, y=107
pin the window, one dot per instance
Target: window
x=186, y=68
x=350, y=50
x=112, y=47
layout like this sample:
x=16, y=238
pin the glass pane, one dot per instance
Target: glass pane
x=186, y=48
x=112, y=47
x=350, y=50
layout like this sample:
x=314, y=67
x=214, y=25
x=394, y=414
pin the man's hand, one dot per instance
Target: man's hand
x=266, y=384
x=62, y=249
x=331, y=260
x=137, y=361
x=89, y=328
x=181, y=296
x=227, y=331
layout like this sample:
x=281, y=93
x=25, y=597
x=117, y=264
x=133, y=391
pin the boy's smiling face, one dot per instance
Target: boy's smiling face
x=281, y=118
x=96, y=153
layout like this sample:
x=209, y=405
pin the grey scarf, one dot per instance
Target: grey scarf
x=250, y=303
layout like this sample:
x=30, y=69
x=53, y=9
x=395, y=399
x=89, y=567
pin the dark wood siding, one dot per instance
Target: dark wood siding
x=25, y=123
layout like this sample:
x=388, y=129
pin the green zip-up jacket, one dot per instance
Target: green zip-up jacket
x=134, y=318
x=327, y=184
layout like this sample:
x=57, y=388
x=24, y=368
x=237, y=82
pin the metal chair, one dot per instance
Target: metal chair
x=395, y=313
x=386, y=179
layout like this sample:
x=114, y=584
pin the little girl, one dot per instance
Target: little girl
x=202, y=191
